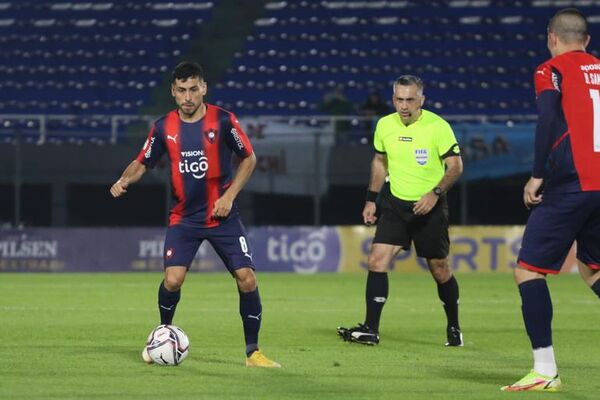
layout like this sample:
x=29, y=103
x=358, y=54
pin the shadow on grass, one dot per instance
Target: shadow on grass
x=488, y=377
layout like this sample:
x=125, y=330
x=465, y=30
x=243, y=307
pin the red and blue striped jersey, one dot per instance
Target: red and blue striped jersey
x=201, y=163
x=568, y=132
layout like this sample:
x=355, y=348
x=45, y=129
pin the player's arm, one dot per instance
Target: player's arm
x=378, y=174
x=149, y=155
x=132, y=174
x=224, y=203
x=548, y=129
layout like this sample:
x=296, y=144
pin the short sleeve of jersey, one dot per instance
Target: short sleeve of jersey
x=153, y=148
x=545, y=78
x=446, y=144
x=236, y=139
x=378, y=140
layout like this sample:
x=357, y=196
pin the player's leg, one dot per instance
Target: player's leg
x=430, y=234
x=588, y=248
x=536, y=307
x=590, y=275
x=181, y=245
x=549, y=235
x=231, y=244
x=250, y=307
x=169, y=292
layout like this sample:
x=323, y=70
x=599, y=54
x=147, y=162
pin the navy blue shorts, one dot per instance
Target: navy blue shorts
x=553, y=226
x=228, y=239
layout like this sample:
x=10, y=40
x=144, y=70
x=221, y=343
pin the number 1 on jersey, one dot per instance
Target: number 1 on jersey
x=595, y=95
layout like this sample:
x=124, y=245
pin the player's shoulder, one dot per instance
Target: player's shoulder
x=159, y=123
x=222, y=113
x=545, y=65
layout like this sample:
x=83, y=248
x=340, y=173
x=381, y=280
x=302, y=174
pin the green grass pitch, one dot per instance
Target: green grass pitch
x=79, y=336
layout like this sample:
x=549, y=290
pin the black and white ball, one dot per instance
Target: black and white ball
x=167, y=345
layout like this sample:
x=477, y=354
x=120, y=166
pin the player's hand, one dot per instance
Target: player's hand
x=368, y=213
x=222, y=207
x=425, y=204
x=530, y=192
x=119, y=188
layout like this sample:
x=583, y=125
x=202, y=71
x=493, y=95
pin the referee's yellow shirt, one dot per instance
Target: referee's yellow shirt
x=415, y=153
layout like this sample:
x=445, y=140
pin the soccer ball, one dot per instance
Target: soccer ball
x=167, y=345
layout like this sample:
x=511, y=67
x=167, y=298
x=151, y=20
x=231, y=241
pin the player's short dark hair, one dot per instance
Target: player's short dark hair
x=570, y=25
x=407, y=80
x=185, y=70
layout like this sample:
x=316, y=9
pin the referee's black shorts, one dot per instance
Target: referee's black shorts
x=399, y=226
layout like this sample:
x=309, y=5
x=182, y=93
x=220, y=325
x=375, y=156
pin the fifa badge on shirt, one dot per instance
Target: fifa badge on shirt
x=211, y=135
x=421, y=155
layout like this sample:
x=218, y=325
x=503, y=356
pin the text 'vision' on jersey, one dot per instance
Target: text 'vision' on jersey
x=200, y=155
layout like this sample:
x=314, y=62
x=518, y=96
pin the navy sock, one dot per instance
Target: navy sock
x=448, y=294
x=376, y=296
x=167, y=303
x=251, y=313
x=537, y=312
x=596, y=287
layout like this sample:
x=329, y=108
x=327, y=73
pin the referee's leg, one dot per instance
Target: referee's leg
x=447, y=288
x=377, y=282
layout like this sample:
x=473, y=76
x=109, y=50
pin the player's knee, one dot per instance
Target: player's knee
x=173, y=283
x=246, y=280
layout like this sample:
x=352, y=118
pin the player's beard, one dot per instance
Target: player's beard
x=191, y=113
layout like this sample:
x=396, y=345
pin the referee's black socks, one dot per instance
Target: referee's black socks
x=167, y=303
x=376, y=296
x=448, y=294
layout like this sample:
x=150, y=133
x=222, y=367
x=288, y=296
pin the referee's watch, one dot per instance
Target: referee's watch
x=437, y=191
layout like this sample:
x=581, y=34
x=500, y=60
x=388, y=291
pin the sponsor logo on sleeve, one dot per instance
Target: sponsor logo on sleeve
x=148, y=147
x=237, y=138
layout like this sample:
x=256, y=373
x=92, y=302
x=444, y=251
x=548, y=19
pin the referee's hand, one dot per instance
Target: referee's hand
x=368, y=213
x=425, y=204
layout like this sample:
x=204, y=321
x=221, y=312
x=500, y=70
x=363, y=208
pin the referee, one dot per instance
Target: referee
x=419, y=152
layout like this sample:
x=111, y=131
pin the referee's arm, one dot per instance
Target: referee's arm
x=378, y=172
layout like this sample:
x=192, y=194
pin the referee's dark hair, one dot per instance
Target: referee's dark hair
x=407, y=80
x=185, y=70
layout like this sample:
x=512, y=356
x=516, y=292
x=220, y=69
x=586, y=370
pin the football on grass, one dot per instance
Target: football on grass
x=167, y=345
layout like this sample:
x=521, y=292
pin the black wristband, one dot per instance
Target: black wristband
x=372, y=196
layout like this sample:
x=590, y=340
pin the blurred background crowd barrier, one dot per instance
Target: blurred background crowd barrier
x=303, y=250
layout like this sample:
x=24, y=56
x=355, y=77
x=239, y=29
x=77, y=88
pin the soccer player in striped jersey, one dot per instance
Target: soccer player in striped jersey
x=200, y=140
x=567, y=208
